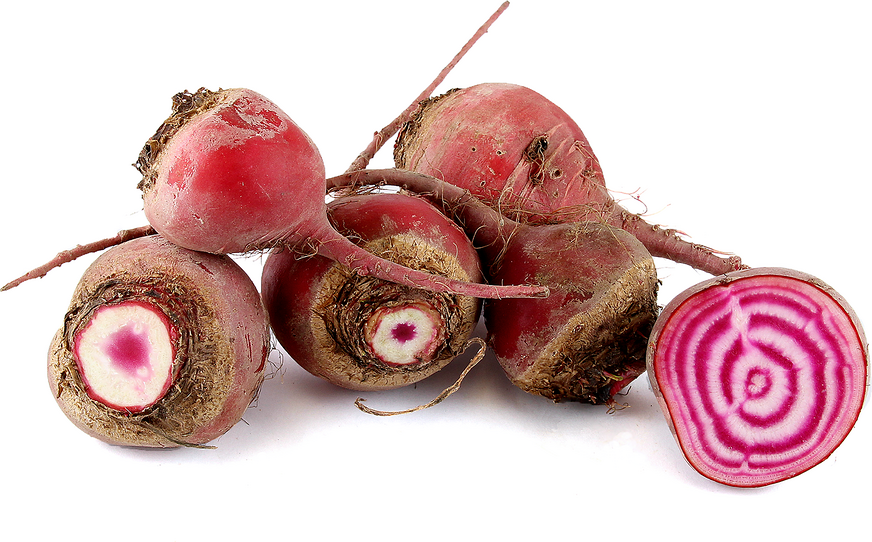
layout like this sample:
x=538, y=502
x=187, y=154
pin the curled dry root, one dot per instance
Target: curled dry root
x=439, y=398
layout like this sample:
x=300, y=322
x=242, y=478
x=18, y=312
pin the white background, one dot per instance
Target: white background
x=746, y=124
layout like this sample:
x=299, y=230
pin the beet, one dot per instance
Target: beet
x=230, y=172
x=365, y=333
x=761, y=374
x=587, y=340
x=525, y=157
x=161, y=346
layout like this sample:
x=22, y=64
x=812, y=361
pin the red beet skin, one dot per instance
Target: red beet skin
x=210, y=322
x=586, y=341
x=512, y=148
x=761, y=374
x=233, y=177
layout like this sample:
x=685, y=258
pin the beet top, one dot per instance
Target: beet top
x=761, y=373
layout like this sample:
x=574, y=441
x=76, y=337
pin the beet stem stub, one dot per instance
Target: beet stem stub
x=762, y=374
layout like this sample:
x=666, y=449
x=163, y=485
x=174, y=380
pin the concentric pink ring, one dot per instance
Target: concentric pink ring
x=762, y=377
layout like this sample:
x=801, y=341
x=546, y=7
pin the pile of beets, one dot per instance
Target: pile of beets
x=498, y=209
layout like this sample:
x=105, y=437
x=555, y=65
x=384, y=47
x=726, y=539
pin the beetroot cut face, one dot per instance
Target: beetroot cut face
x=126, y=355
x=160, y=347
x=761, y=374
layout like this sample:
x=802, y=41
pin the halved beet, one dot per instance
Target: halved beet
x=761, y=374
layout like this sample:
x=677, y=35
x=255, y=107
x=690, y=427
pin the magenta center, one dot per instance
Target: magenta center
x=128, y=349
x=403, y=332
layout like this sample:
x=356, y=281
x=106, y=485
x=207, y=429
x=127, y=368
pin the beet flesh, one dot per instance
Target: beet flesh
x=760, y=373
x=126, y=354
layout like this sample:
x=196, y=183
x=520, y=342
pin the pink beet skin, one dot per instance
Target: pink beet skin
x=231, y=178
x=761, y=373
x=510, y=147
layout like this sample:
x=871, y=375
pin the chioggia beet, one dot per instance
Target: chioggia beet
x=230, y=172
x=761, y=374
x=524, y=156
x=161, y=346
x=587, y=340
x=365, y=333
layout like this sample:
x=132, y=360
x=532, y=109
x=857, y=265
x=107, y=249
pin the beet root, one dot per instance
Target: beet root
x=365, y=333
x=525, y=157
x=761, y=374
x=587, y=340
x=225, y=151
x=160, y=347
x=230, y=172
x=512, y=148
